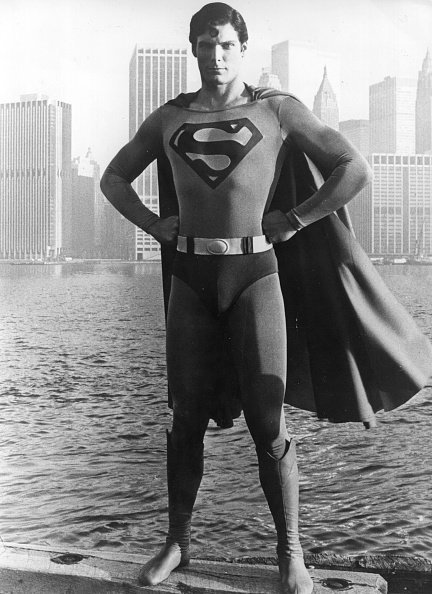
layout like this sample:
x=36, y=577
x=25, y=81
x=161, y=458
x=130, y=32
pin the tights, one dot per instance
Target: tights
x=252, y=328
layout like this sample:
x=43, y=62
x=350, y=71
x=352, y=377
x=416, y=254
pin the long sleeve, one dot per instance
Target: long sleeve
x=126, y=166
x=344, y=169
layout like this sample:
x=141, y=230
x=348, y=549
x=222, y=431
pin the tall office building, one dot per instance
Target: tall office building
x=325, y=105
x=299, y=66
x=268, y=79
x=393, y=214
x=98, y=229
x=35, y=178
x=423, y=113
x=87, y=208
x=392, y=116
x=357, y=132
x=155, y=76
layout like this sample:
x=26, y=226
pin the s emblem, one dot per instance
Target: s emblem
x=213, y=150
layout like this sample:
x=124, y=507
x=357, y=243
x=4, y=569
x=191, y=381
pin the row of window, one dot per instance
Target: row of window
x=34, y=103
x=162, y=51
x=402, y=159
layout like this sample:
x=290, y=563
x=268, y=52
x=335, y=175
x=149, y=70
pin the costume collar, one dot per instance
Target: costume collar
x=256, y=93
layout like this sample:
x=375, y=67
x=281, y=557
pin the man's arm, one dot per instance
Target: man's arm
x=344, y=169
x=126, y=166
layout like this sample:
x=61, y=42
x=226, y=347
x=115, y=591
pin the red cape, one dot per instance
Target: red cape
x=352, y=348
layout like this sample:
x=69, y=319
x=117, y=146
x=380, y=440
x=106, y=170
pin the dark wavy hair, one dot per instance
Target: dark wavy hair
x=216, y=13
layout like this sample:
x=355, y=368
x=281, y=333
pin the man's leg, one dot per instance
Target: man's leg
x=258, y=338
x=192, y=339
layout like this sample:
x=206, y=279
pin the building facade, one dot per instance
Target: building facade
x=357, y=132
x=325, y=105
x=35, y=178
x=392, y=116
x=423, y=113
x=268, y=79
x=87, y=209
x=392, y=216
x=299, y=67
x=155, y=76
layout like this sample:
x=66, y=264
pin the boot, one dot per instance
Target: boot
x=279, y=481
x=184, y=473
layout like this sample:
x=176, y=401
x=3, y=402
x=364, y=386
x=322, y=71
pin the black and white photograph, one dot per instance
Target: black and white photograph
x=215, y=296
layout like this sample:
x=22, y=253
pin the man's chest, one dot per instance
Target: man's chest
x=214, y=146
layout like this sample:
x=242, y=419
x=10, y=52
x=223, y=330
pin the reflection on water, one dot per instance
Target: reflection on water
x=83, y=399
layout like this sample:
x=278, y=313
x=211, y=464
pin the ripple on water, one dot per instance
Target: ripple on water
x=84, y=414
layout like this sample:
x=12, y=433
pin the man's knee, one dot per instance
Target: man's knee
x=188, y=428
x=275, y=447
x=269, y=432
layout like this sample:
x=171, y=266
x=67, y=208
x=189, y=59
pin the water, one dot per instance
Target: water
x=82, y=434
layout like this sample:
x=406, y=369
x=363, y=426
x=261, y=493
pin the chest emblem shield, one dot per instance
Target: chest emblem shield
x=213, y=150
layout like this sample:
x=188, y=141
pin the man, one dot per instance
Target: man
x=225, y=149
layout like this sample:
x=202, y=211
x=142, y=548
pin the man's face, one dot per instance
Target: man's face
x=219, y=54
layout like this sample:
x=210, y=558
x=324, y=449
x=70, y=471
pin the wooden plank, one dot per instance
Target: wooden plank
x=44, y=570
x=404, y=574
x=13, y=581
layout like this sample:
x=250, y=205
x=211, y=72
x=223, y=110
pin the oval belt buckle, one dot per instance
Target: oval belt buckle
x=218, y=247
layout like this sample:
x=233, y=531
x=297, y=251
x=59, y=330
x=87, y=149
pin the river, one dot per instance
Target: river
x=82, y=434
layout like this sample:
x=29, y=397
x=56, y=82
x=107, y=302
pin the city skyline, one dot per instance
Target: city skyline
x=35, y=178
x=92, y=46
x=392, y=215
x=300, y=66
x=155, y=76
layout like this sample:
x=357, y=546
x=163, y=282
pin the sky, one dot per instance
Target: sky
x=78, y=51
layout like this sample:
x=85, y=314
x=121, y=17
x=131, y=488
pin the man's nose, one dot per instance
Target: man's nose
x=217, y=53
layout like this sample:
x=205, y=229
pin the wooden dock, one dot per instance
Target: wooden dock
x=43, y=570
x=26, y=569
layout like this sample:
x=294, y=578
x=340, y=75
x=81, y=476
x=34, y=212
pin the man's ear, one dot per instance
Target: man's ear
x=243, y=47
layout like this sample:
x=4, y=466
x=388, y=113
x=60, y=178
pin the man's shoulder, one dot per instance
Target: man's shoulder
x=256, y=93
x=182, y=100
x=261, y=93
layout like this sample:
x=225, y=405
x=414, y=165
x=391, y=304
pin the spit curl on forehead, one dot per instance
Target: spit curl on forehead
x=212, y=15
x=213, y=31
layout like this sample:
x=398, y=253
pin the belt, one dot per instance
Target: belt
x=205, y=246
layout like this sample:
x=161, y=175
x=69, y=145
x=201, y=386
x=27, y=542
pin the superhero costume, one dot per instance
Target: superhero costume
x=198, y=156
x=352, y=349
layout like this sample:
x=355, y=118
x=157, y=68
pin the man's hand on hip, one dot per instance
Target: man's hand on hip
x=276, y=227
x=165, y=231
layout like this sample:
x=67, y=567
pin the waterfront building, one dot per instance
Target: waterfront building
x=392, y=116
x=325, y=105
x=35, y=178
x=87, y=209
x=268, y=79
x=392, y=215
x=299, y=66
x=357, y=132
x=155, y=76
x=423, y=113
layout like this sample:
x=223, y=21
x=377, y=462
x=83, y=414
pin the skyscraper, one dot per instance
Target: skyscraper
x=155, y=76
x=325, y=105
x=393, y=214
x=423, y=117
x=35, y=178
x=268, y=79
x=392, y=116
x=357, y=132
x=299, y=66
x=87, y=208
